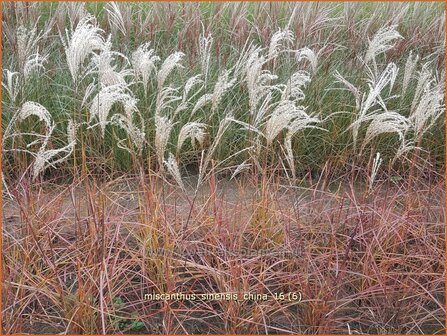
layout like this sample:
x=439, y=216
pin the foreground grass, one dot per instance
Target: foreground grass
x=80, y=258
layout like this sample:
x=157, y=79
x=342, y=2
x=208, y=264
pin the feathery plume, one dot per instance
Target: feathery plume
x=172, y=167
x=424, y=78
x=32, y=108
x=306, y=53
x=222, y=85
x=410, y=65
x=12, y=85
x=27, y=40
x=44, y=158
x=136, y=135
x=106, y=98
x=223, y=126
x=387, y=78
x=351, y=88
x=192, y=130
x=387, y=122
x=301, y=122
x=249, y=50
x=81, y=43
x=165, y=98
x=382, y=41
x=405, y=147
x=143, y=62
x=115, y=17
x=107, y=72
x=286, y=116
x=277, y=41
x=169, y=64
x=33, y=64
x=190, y=83
x=375, y=168
x=205, y=44
x=203, y=100
x=244, y=165
x=293, y=87
x=163, y=127
x=71, y=131
x=88, y=92
x=428, y=110
x=258, y=81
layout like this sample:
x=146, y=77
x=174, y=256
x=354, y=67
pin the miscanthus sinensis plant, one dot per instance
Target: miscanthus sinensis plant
x=371, y=106
x=269, y=103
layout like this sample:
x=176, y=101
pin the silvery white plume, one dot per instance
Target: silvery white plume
x=293, y=87
x=27, y=110
x=106, y=98
x=280, y=38
x=405, y=147
x=387, y=78
x=33, y=64
x=375, y=168
x=286, y=116
x=169, y=64
x=203, y=100
x=223, y=84
x=107, y=72
x=306, y=53
x=81, y=43
x=32, y=108
x=382, y=41
x=44, y=157
x=194, y=131
x=163, y=127
x=424, y=78
x=172, y=167
x=166, y=96
x=12, y=85
x=302, y=121
x=136, y=135
x=244, y=165
x=245, y=58
x=205, y=44
x=27, y=41
x=72, y=131
x=356, y=92
x=410, y=65
x=258, y=81
x=143, y=62
x=387, y=122
x=115, y=17
x=263, y=110
x=205, y=161
x=428, y=110
x=88, y=92
x=190, y=83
